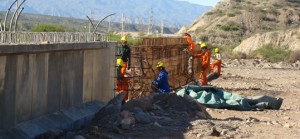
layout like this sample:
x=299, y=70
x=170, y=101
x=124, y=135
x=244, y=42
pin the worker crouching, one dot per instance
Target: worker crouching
x=205, y=61
x=122, y=82
x=161, y=84
x=217, y=62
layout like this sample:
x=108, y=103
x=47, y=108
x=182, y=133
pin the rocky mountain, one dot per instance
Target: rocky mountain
x=250, y=24
x=171, y=12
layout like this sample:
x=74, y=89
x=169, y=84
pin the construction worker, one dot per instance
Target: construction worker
x=161, y=84
x=190, y=50
x=122, y=82
x=188, y=37
x=205, y=61
x=125, y=56
x=217, y=62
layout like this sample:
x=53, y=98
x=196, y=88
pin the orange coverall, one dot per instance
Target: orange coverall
x=217, y=63
x=192, y=44
x=122, y=82
x=205, y=61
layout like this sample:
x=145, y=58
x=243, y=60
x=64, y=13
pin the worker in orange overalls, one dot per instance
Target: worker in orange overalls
x=190, y=50
x=122, y=81
x=217, y=62
x=188, y=37
x=205, y=61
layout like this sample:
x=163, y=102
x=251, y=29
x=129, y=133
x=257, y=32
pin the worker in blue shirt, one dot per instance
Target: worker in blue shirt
x=161, y=84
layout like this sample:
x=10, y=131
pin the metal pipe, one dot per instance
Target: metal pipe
x=16, y=21
x=101, y=21
x=0, y=26
x=91, y=22
x=7, y=14
x=15, y=14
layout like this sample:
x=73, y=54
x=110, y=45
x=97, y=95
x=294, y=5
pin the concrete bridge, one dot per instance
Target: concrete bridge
x=55, y=85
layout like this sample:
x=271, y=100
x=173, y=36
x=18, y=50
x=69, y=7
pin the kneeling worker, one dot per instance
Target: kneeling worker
x=122, y=81
x=161, y=84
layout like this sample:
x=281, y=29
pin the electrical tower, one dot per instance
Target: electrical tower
x=122, y=24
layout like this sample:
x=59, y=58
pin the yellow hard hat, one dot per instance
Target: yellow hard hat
x=119, y=62
x=124, y=38
x=203, y=45
x=199, y=43
x=217, y=50
x=161, y=64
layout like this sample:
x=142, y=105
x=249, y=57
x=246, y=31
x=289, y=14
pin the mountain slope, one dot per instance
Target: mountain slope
x=233, y=21
x=171, y=12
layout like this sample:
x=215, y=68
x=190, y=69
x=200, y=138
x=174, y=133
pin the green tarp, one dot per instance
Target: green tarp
x=216, y=98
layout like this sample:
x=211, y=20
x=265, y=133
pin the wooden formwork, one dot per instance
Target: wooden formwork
x=146, y=55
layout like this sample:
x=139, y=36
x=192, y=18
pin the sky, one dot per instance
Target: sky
x=204, y=2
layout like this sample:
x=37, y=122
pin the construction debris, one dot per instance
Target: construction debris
x=169, y=113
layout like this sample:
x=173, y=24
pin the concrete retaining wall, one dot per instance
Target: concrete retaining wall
x=36, y=80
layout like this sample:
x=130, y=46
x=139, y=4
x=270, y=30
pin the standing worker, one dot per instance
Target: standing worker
x=188, y=38
x=217, y=62
x=122, y=64
x=205, y=61
x=161, y=84
x=125, y=56
x=190, y=50
x=122, y=82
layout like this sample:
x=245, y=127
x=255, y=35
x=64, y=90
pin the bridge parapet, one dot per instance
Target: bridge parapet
x=50, y=37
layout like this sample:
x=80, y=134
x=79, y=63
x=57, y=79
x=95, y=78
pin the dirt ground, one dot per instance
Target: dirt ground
x=277, y=80
x=169, y=117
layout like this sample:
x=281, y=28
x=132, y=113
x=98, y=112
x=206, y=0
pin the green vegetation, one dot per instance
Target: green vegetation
x=220, y=13
x=130, y=40
x=272, y=53
x=209, y=13
x=231, y=14
x=48, y=28
x=230, y=26
x=277, y=5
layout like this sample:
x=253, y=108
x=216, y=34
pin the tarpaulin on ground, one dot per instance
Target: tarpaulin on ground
x=216, y=98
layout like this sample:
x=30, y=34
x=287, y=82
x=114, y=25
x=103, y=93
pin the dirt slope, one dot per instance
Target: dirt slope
x=232, y=21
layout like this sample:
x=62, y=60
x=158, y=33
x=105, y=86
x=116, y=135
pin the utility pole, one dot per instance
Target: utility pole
x=162, y=28
x=109, y=21
x=150, y=25
x=122, y=24
x=91, y=21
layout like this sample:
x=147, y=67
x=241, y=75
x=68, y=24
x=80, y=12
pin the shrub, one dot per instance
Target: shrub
x=277, y=5
x=230, y=14
x=209, y=13
x=48, y=28
x=272, y=53
x=230, y=26
x=130, y=40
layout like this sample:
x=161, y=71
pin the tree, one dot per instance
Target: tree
x=48, y=28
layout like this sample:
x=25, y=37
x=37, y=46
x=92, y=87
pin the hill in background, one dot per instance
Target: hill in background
x=172, y=12
x=250, y=24
x=29, y=21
